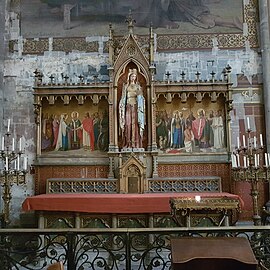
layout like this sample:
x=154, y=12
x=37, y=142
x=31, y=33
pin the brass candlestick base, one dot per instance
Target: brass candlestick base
x=250, y=165
x=12, y=171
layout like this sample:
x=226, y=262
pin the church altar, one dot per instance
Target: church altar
x=115, y=206
x=149, y=146
x=112, y=203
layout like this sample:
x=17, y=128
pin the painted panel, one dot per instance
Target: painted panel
x=75, y=130
x=191, y=127
x=67, y=18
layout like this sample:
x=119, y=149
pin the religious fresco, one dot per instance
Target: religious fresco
x=191, y=127
x=82, y=130
x=67, y=18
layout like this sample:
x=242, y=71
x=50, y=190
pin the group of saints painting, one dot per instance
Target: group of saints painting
x=204, y=133
x=175, y=133
x=61, y=134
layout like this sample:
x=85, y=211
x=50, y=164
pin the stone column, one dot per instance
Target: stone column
x=265, y=49
x=2, y=57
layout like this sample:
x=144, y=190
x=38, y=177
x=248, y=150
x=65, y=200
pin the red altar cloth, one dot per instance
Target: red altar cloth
x=111, y=203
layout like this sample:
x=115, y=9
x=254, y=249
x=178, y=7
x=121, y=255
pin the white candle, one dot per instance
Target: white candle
x=25, y=163
x=233, y=163
x=261, y=140
x=13, y=144
x=8, y=125
x=20, y=144
x=266, y=159
x=238, y=160
x=6, y=163
x=255, y=161
x=244, y=141
x=15, y=165
x=18, y=163
x=3, y=143
x=245, y=161
x=238, y=142
x=255, y=142
x=248, y=124
x=258, y=159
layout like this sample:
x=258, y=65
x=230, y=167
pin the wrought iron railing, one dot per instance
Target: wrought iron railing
x=114, y=249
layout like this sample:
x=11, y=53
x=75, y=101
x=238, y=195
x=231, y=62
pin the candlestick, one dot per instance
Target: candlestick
x=254, y=169
x=11, y=173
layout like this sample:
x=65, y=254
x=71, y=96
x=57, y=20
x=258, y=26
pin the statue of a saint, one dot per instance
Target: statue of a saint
x=132, y=112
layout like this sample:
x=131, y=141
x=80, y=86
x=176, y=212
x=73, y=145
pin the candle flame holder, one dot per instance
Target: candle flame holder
x=250, y=165
x=12, y=171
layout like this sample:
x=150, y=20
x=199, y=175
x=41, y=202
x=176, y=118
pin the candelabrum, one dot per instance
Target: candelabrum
x=13, y=168
x=251, y=164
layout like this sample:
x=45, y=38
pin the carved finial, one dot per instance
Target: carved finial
x=168, y=74
x=130, y=21
x=183, y=74
x=51, y=78
x=151, y=47
x=110, y=31
x=151, y=31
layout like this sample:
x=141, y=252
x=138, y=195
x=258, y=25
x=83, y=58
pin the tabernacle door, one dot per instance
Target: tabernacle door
x=133, y=185
x=209, y=253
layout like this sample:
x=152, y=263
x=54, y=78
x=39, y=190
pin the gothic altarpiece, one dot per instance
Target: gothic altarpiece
x=83, y=144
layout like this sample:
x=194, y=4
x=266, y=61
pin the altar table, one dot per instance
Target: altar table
x=218, y=210
x=112, y=203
